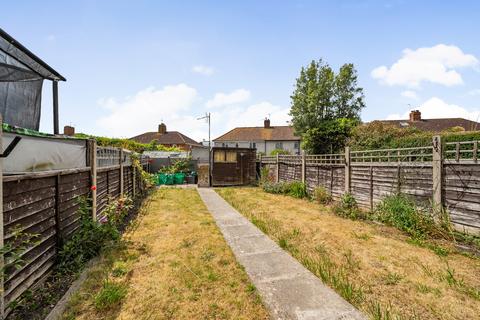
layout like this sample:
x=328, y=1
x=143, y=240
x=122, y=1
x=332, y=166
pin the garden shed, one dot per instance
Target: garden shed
x=233, y=166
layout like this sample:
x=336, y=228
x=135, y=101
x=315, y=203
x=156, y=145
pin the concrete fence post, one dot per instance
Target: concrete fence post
x=121, y=172
x=437, y=171
x=92, y=151
x=347, y=170
x=2, y=291
x=134, y=180
x=304, y=167
x=277, y=174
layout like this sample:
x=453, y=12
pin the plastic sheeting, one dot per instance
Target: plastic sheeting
x=21, y=81
x=33, y=154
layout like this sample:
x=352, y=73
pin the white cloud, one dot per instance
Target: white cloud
x=205, y=70
x=176, y=106
x=435, y=64
x=437, y=108
x=227, y=99
x=474, y=92
x=410, y=94
x=145, y=110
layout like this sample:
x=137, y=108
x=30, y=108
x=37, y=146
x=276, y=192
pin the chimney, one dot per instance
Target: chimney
x=415, y=115
x=69, y=131
x=162, y=128
x=266, y=123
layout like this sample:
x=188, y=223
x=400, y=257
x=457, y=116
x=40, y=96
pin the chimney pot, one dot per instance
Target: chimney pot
x=69, y=131
x=415, y=115
x=266, y=123
x=162, y=128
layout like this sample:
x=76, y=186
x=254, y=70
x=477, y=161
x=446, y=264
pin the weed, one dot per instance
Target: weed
x=251, y=288
x=347, y=207
x=110, y=294
x=392, y=278
x=207, y=255
x=119, y=269
x=321, y=195
x=362, y=236
x=298, y=190
x=283, y=243
x=295, y=189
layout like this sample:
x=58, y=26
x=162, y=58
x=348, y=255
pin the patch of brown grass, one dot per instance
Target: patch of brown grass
x=371, y=265
x=174, y=264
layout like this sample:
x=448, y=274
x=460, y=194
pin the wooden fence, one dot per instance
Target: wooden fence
x=443, y=174
x=46, y=204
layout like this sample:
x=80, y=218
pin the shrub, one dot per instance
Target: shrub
x=92, y=235
x=297, y=190
x=274, y=152
x=321, y=195
x=402, y=212
x=347, y=207
x=264, y=176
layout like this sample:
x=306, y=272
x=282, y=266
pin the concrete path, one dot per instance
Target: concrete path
x=288, y=289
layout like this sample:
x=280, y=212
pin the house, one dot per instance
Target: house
x=265, y=139
x=168, y=138
x=434, y=125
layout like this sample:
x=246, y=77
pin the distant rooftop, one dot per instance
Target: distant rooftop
x=162, y=136
x=267, y=133
x=435, y=125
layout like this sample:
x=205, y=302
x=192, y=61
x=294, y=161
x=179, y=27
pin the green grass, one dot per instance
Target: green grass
x=110, y=295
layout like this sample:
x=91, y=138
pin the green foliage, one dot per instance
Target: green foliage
x=92, y=235
x=110, y=295
x=347, y=207
x=321, y=195
x=329, y=137
x=274, y=152
x=264, y=176
x=13, y=250
x=294, y=189
x=181, y=165
x=321, y=96
x=402, y=212
x=127, y=144
x=378, y=135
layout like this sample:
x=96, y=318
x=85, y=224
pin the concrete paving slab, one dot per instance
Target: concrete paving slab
x=288, y=289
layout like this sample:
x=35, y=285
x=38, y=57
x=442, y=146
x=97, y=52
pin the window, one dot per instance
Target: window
x=236, y=145
x=230, y=156
x=221, y=156
x=223, y=144
x=253, y=145
x=297, y=145
x=279, y=145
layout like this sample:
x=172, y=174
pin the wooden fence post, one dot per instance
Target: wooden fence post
x=304, y=167
x=92, y=146
x=347, y=169
x=121, y=172
x=371, y=188
x=437, y=168
x=134, y=180
x=2, y=291
x=277, y=175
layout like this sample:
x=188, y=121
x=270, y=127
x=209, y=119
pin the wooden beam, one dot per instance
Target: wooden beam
x=92, y=151
x=347, y=170
x=121, y=172
x=437, y=168
x=56, y=129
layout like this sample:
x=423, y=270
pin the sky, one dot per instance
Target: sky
x=132, y=64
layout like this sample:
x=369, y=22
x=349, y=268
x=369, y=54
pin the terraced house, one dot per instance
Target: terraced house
x=265, y=139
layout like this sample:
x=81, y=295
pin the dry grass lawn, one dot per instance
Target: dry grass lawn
x=173, y=264
x=371, y=265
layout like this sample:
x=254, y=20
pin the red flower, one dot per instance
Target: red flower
x=93, y=188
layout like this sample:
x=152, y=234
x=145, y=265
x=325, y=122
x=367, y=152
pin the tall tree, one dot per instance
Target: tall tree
x=325, y=106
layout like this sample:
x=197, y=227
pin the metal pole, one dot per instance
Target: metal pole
x=209, y=154
x=55, y=107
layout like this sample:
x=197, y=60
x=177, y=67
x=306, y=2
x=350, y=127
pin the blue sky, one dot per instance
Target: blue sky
x=131, y=64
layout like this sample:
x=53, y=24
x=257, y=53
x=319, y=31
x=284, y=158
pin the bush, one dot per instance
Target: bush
x=297, y=190
x=321, y=195
x=403, y=213
x=264, y=176
x=294, y=189
x=92, y=235
x=347, y=207
x=274, y=152
x=182, y=165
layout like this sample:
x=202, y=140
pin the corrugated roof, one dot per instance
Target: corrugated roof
x=436, y=125
x=169, y=137
x=277, y=133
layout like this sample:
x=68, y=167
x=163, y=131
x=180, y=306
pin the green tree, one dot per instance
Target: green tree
x=325, y=103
